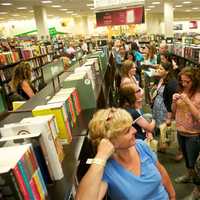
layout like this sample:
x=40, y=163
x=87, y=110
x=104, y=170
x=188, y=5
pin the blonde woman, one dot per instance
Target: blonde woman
x=21, y=81
x=124, y=167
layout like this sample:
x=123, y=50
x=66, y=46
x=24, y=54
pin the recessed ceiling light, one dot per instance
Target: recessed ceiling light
x=6, y=4
x=63, y=9
x=31, y=11
x=187, y=2
x=155, y=2
x=195, y=8
x=3, y=13
x=147, y=9
x=179, y=6
x=151, y=6
x=46, y=1
x=22, y=8
x=56, y=6
x=69, y=11
x=188, y=10
x=15, y=15
x=90, y=4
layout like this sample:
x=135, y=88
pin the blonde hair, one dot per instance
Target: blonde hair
x=21, y=72
x=108, y=123
x=126, y=67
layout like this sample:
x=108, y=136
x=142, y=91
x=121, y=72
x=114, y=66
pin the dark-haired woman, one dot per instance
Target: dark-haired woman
x=186, y=109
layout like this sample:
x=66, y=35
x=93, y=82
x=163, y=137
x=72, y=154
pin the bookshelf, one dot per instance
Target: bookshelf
x=63, y=189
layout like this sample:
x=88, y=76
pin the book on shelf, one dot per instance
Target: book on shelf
x=75, y=98
x=46, y=137
x=17, y=172
x=66, y=99
x=88, y=70
x=84, y=87
x=57, y=109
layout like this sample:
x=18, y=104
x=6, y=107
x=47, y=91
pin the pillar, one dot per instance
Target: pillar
x=41, y=21
x=153, y=23
x=168, y=18
x=84, y=28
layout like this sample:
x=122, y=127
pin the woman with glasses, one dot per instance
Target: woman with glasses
x=186, y=110
x=131, y=99
x=123, y=167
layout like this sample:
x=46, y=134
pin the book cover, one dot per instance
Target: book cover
x=58, y=110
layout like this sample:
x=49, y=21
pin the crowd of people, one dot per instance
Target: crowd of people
x=125, y=167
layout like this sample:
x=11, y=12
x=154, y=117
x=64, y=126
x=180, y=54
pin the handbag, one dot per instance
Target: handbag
x=168, y=134
x=153, y=144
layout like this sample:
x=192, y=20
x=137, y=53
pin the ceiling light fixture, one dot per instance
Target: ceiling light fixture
x=56, y=6
x=46, y=1
x=6, y=4
x=195, y=8
x=22, y=8
x=3, y=13
x=90, y=4
x=147, y=9
x=151, y=6
x=179, y=6
x=187, y=2
x=63, y=9
x=156, y=3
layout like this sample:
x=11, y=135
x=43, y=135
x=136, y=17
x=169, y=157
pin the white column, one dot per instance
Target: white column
x=85, y=25
x=41, y=21
x=168, y=18
x=153, y=23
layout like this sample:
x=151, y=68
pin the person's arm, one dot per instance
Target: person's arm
x=193, y=109
x=27, y=88
x=91, y=185
x=175, y=98
x=147, y=126
x=166, y=181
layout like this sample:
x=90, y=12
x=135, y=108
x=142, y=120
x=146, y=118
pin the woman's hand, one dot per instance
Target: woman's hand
x=176, y=97
x=185, y=98
x=105, y=149
x=149, y=135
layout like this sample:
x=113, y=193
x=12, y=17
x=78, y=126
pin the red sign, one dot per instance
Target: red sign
x=121, y=17
x=193, y=25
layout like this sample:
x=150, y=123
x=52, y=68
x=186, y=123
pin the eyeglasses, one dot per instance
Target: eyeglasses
x=138, y=90
x=110, y=114
x=185, y=81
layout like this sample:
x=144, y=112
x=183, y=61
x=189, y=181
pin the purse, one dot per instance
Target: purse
x=168, y=134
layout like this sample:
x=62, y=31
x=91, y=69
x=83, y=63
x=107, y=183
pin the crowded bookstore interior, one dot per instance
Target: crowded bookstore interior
x=100, y=100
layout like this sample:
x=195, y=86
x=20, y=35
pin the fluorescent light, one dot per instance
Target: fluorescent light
x=6, y=4
x=187, y=2
x=155, y=2
x=15, y=15
x=195, y=8
x=147, y=9
x=31, y=11
x=179, y=6
x=22, y=8
x=90, y=4
x=56, y=6
x=3, y=13
x=151, y=6
x=46, y=1
x=69, y=11
x=63, y=9
x=188, y=10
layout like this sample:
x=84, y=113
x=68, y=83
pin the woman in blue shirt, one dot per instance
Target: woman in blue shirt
x=124, y=167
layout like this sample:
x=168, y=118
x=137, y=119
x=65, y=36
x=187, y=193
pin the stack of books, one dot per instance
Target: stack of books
x=48, y=150
x=62, y=119
x=20, y=175
x=7, y=58
x=84, y=87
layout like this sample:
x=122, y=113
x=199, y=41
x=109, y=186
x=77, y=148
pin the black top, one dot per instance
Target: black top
x=170, y=89
x=135, y=115
x=23, y=94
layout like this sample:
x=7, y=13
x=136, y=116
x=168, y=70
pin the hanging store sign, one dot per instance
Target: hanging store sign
x=120, y=17
x=193, y=25
x=112, y=4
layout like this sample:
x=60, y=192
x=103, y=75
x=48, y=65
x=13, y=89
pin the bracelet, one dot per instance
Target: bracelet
x=97, y=161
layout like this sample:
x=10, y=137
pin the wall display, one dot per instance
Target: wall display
x=178, y=27
x=120, y=17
